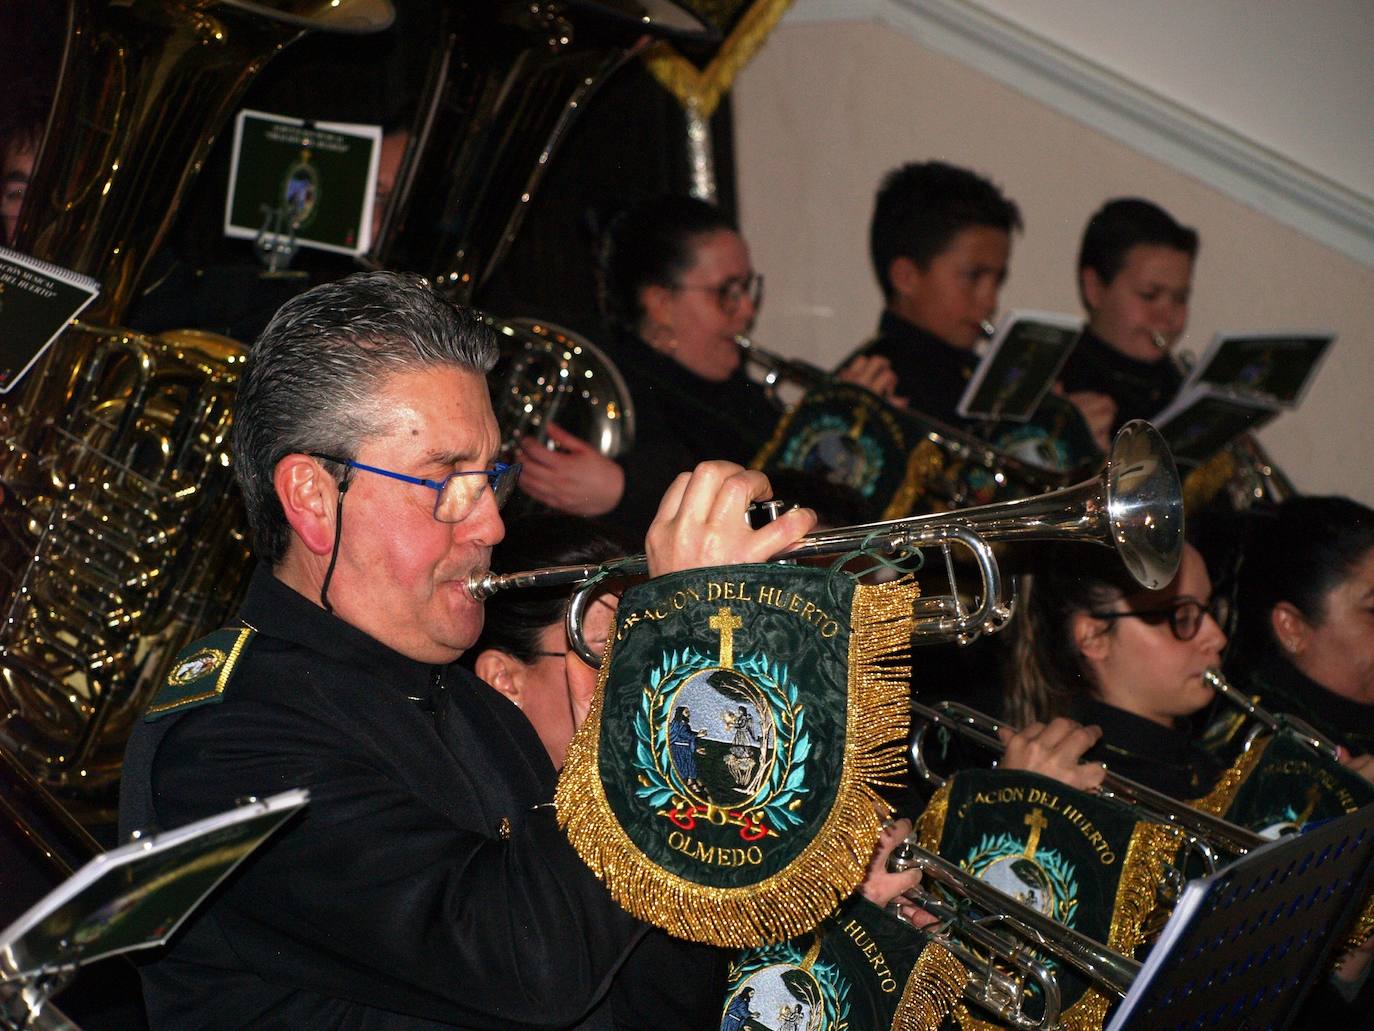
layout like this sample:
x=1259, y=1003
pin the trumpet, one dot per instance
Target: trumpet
x=1008, y=932
x=1268, y=721
x=959, y=446
x=1134, y=506
x=1210, y=837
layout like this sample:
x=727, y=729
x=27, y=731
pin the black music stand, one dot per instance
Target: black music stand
x=133, y=897
x=1245, y=945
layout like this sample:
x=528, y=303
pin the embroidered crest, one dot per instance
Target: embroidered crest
x=201, y=672
x=724, y=783
x=201, y=662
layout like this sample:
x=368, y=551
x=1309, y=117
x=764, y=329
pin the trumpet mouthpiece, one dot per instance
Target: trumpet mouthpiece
x=987, y=328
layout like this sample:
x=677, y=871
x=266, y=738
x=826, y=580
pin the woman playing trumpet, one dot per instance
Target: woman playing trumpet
x=679, y=288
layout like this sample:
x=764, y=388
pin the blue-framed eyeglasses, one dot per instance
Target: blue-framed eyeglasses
x=457, y=493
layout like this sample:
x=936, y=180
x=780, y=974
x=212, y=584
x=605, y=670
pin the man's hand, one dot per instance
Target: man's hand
x=873, y=372
x=1099, y=413
x=576, y=478
x=702, y=521
x=1054, y=750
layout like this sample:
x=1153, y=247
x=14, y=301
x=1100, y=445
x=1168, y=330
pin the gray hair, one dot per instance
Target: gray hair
x=313, y=377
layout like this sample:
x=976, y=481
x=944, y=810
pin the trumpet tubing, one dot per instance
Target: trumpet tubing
x=1134, y=506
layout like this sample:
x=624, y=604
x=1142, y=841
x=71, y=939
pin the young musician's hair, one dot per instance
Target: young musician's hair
x=1124, y=223
x=515, y=619
x=1047, y=671
x=921, y=207
x=1299, y=552
x=651, y=243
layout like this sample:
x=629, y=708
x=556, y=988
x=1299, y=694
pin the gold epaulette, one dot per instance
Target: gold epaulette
x=201, y=673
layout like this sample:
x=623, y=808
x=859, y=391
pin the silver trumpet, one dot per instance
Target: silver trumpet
x=1134, y=506
x=1212, y=838
x=992, y=933
x=1266, y=721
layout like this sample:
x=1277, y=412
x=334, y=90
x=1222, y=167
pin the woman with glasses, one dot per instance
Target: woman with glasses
x=1305, y=607
x=1092, y=645
x=524, y=651
x=678, y=288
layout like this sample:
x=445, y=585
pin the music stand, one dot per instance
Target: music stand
x=1245, y=945
x=133, y=897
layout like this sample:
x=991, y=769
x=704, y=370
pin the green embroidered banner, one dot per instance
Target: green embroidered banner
x=861, y=969
x=1279, y=785
x=1084, y=861
x=724, y=783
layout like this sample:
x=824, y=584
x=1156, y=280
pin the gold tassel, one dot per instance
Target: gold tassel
x=800, y=896
x=1153, y=846
x=705, y=88
x=935, y=985
x=1202, y=484
x=1224, y=793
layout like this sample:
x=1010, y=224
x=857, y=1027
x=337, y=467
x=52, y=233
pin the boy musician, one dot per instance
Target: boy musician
x=1135, y=275
x=940, y=241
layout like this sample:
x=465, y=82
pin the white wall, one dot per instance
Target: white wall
x=1295, y=77
x=826, y=108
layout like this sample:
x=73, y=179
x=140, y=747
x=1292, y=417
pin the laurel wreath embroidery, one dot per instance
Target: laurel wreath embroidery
x=834, y=1000
x=659, y=783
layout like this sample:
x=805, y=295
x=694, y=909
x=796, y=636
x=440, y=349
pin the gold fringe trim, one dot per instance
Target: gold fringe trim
x=935, y=985
x=1224, y=794
x=798, y=897
x=930, y=825
x=923, y=465
x=1152, y=847
x=1202, y=484
x=703, y=89
x=1363, y=927
x=968, y=1022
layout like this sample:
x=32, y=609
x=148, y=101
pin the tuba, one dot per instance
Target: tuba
x=120, y=534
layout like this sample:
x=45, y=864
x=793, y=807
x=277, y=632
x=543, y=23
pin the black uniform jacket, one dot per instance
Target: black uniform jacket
x=419, y=888
x=1159, y=757
x=931, y=374
x=1141, y=390
x=680, y=420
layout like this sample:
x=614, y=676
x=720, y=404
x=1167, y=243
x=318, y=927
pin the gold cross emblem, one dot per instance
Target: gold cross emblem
x=727, y=623
x=1035, y=820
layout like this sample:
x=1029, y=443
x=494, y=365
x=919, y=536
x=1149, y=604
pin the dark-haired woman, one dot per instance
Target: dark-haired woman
x=679, y=289
x=1305, y=599
x=523, y=651
x=1092, y=645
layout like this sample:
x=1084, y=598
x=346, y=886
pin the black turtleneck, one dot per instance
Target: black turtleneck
x=1163, y=758
x=681, y=419
x=1141, y=390
x=931, y=374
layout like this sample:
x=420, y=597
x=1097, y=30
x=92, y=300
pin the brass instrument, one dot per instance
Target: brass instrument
x=956, y=452
x=507, y=82
x=1134, y=506
x=119, y=539
x=1266, y=721
x=549, y=374
x=1210, y=837
x=1008, y=933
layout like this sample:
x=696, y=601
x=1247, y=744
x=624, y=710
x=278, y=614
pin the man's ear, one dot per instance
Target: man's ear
x=1290, y=627
x=1090, y=636
x=308, y=496
x=502, y=672
x=1091, y=288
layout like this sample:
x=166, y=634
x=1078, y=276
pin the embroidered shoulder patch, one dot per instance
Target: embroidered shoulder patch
x=201, y=672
